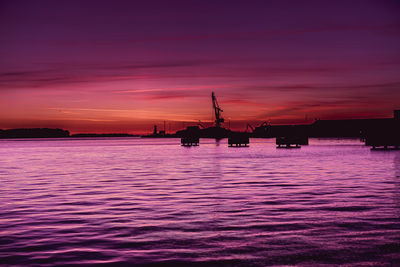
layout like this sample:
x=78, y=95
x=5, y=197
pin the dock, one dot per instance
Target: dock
x=383, y=142
x=385, y=135
x=291, y=141
x=190, y=141
x=238, y=140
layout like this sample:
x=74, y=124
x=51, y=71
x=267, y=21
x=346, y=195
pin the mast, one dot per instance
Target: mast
x=217, y=111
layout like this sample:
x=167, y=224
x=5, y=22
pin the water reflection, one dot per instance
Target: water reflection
x=396, y=193
x=135, y=201
x=396, y=164
x=217, y=141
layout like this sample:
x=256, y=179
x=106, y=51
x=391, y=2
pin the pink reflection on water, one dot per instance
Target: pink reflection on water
x=136, y=200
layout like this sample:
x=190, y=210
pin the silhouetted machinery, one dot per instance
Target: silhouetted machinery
x=384, y=134
x=238, y=139
x=295, y=136
x=216, y=131
x=263, y=130
x=191, y=137
x=249, y=127
x=190, y=141
x=201, y=125
x=217, y=111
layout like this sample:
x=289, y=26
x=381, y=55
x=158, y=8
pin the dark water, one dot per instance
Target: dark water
x=151, y=201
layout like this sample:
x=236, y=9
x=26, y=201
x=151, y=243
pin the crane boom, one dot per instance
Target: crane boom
x=249, y=126
x=217, y=111
x=201, y=125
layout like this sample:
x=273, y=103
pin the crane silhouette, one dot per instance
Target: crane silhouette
x=217, y=111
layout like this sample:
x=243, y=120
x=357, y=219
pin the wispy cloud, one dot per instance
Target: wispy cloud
x=84, y=73
x=382, y=28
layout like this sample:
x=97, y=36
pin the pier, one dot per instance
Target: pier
x=238, y=140
x=384, y=141
x=291, y=142
x=190, y=141
x=379, y=133
x=385, y=135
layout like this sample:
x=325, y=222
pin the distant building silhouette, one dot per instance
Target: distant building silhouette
x=102, y=135
x=34, y=133
x=397, y=115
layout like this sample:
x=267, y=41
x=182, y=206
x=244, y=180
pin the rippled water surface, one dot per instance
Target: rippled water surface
x=150, y=201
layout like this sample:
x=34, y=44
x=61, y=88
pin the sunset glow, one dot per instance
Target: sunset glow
x=125, y=67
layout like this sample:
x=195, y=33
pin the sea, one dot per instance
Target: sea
x=152, y=202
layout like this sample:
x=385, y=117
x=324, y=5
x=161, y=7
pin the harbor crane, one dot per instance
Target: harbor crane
x=217, y=111
x=201, y=125
x=249, y=127
x=263, y=126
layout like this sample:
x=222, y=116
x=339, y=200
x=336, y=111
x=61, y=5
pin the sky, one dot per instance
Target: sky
x=123, y=66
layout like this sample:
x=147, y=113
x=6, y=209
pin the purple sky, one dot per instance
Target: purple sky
x=112, y=66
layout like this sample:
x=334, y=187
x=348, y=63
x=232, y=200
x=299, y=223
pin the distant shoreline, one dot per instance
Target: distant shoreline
x=53, y=133
x=350, y=128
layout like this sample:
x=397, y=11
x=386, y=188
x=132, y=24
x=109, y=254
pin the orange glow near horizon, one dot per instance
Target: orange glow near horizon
x=101, y=72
